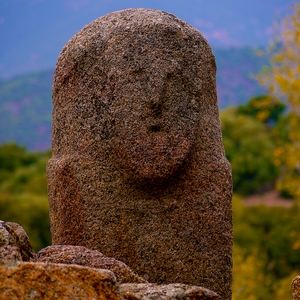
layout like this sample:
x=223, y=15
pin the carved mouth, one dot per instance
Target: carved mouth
x=155, y=128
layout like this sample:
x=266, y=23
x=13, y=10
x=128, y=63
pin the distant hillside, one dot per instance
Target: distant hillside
x=25, y=110
x=235, y=70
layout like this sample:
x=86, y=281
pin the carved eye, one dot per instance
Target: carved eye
x=169, y=75
x=155, y=128
x=156, y=108
x=138, y=71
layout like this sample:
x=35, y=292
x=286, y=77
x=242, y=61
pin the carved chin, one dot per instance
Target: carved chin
x=152, y=157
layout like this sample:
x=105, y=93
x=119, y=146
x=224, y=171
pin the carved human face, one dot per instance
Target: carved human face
x=156, y=114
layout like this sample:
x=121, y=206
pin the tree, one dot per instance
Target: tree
x=13, y=156
x=266, y=252
x=264, y=108
x=23, y=192
x=249, y=148
x=282, y=79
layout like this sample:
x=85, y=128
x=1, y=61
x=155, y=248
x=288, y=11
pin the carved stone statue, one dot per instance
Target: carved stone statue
x=138, y=169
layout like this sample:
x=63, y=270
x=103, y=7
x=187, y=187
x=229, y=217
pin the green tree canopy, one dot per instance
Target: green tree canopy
x=282, y=79
x=264, y=108
x=249, y=148
x=23, y=192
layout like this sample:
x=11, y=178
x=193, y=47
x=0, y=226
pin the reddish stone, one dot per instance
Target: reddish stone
x=79, y=255
x=174, y=291
x=138, y=170
x=296, y=288
x=30, y=280
x=14, y=243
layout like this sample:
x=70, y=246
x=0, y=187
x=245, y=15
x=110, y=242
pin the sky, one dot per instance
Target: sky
x=33, y=32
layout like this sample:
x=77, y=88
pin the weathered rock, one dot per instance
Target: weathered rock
x=175, y=291
x=86, y=257
x=138, y=170
x=14, y=242
x=296, y=288
x=28, y=280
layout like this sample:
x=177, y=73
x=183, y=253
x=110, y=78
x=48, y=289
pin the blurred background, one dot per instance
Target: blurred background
x=257, y=49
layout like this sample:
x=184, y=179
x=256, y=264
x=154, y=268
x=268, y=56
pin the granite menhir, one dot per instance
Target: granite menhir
x=138, y=169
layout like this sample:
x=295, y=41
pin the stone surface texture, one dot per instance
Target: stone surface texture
x=175, y=291
x=138, y=169
x=28, y=280
x=14, y=242
x=296, y=288
x=79, y=255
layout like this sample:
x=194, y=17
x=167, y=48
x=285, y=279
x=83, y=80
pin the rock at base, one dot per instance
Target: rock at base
x=30, y=280
x=67, y=254
x=14, y=242
x=296, y=288
x=132, y=291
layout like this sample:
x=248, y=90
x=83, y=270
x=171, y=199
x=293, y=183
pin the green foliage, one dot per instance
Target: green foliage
x=274, y=231
x=248, y=276
x=265, y=109
x=266, y=250
x=249, y=148
x=12, y=157
x=282, y=79
x=23, y=192
x=31, y=212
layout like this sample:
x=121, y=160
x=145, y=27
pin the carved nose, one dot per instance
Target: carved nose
x=157, y=96
x=156, y=106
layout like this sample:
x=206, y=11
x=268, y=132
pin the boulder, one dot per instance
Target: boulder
x=14, y=242
x=75, y=272
x=29, y=280
x=296, y=288
x=173, y=291
x=86, y=257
